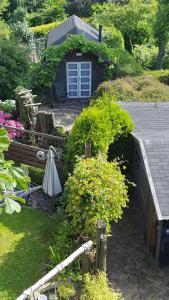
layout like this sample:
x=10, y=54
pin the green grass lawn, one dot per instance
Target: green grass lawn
x=24, y=250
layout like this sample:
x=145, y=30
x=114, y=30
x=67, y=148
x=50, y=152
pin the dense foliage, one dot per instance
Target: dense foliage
x=97, y=288
x=14, y=65
x=132, y=19
x=11, y=177
x=100, y=124
x=8, y=106
x=141, y=88
x=162, y=30
x=121, y=62
x=96, y=188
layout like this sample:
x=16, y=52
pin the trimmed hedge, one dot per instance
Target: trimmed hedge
x=42, y=30
x=100, y=125
x=146, y=88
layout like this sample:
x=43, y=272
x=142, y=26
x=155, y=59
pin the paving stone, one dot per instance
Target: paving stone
x=131, y=268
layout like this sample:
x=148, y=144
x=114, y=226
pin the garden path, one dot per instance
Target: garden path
x=131, y=269
x=65, y=114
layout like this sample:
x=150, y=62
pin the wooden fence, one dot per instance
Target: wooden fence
x=25, y=148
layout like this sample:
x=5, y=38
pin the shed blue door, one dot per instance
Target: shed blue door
x=78, y=79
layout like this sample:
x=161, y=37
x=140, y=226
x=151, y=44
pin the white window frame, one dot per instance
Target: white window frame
x=79, y=91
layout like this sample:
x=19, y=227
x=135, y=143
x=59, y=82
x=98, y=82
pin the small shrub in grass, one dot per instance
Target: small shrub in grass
x=97, y=288
x=96, y=190
x=65, y=290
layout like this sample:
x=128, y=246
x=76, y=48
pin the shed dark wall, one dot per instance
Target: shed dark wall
x=143, y=197
x=60, y=86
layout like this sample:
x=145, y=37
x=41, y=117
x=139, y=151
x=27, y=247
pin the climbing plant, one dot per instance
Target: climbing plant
x=117, y=59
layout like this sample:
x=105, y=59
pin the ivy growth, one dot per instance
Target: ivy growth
x=44, y=72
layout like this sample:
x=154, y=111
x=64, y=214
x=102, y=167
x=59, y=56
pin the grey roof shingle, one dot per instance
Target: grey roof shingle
x=73, y=25
x=152, y=127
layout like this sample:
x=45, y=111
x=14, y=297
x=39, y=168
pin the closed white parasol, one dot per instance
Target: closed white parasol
x=51, y=181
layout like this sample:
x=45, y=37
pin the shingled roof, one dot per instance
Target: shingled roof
x=73, y=25
x=152, y=128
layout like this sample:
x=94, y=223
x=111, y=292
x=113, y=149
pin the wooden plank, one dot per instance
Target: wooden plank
x=35, y=133
x=101, y=246
x=26, y=154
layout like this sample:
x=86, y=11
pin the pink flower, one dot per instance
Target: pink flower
x=7, y=116
x=5, y=120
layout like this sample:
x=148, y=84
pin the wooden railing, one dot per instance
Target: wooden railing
x=24, y=148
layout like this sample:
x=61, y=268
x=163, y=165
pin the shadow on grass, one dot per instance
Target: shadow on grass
x=27, y=238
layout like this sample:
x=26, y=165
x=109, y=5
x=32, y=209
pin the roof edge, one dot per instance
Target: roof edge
x=149, y=177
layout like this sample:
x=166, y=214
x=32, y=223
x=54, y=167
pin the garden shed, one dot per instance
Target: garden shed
x=150, y=169
x=80, y=72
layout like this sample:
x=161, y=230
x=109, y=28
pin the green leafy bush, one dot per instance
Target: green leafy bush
x=42, y=30
x=141, y=88
x=146, y=56
x=14, y=66
x=50, y=11
x=92, y=126
x=63, y=244
x=11, y=177
x=35, y=174
x=97, y=288
x=96, y=190
x=124, y=64
x=7, y=106
x=65, y=290
x=100, y=124
x=113, y=37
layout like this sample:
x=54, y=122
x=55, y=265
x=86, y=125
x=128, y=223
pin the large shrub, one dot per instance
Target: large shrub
x=113, y=37
x=14, y=66
x=96, y=190
x=99, y=125
x=140, y=88
x=146, y=56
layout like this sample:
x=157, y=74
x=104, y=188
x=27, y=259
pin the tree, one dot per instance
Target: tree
x=11, y=177
x=82, y=8
x=162, y=30
x=96, y=190
x=14, y=66
x=133, y=19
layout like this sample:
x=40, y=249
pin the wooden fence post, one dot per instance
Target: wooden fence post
x=85, y=262
x=101, y=246
x=88, y=150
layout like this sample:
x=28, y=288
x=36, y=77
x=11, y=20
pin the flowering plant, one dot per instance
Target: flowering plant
x=5, y=119
x=7, y=106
